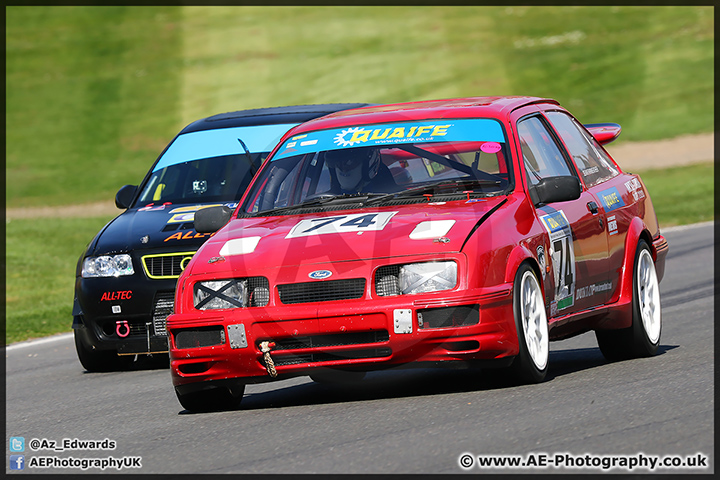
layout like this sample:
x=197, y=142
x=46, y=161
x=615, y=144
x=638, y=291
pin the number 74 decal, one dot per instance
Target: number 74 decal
x=563, y=257
x=358, y=222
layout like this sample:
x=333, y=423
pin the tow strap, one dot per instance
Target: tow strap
x=269, y=364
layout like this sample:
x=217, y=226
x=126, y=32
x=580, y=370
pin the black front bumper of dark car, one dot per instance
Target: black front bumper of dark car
x=124, y=314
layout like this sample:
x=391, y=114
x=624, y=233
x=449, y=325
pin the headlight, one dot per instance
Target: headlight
x=217, y=294
x=427, y=277
x=107, y=266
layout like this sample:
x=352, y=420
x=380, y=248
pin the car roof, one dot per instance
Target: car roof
x=492, y=107
x=268, y=116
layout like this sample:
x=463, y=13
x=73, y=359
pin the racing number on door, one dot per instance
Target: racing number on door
x=359, y=222
x=563, y=259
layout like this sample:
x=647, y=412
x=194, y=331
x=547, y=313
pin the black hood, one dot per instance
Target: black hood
x=170, y=227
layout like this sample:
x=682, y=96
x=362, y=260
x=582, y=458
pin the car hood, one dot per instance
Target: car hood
x=337, y=236
x=169, y=226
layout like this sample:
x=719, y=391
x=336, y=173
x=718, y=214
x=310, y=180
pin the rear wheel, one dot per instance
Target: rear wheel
x=212, y=399
x=531, y=363
x=100, y=360
x=642, y=338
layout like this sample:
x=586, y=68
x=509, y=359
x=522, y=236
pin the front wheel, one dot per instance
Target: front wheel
x=642, y=338
x=531, y=363
x=100, y=360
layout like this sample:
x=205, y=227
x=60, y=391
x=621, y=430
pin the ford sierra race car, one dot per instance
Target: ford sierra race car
x=472, y=230
x=125, y=279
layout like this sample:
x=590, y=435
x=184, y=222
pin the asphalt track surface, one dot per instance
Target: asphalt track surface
x=409, y=421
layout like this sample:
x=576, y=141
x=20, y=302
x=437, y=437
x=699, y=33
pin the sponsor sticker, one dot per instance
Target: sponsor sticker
x=562, y=255
x=611, y=199
x=634, y=187
x=612, y=225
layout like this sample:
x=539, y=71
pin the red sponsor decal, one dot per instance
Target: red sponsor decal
x=122, y=295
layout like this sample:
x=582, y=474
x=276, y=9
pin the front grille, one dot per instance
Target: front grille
x=162, y=309
x=447, y=317
x=290, y=359
x=331, y=340
x=331, y=290
x=166, y=265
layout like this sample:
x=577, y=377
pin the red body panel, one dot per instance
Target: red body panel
x=489, y=240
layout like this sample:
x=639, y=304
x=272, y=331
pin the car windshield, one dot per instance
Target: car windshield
x=210, y=165
x=382, y=162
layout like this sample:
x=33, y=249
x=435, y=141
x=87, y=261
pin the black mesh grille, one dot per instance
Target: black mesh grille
x=258, y=291
x=321, y=291
x=329, y=357
x=199, y=337
x=331, y=340
x=446, y=317
x=166, y=266
x=163, y=307
x=386, y=280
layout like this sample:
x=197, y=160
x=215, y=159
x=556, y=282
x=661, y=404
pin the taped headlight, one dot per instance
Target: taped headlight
x=427, y=277
x=218, y=294
x=107, y=266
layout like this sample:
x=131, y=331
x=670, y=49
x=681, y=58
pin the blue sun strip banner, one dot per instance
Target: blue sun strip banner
x=222, y=141
x=389, y=134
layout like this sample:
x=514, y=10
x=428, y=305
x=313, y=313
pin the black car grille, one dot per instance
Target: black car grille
x=166, y=265
x=294, y=359
x=163, y=307
x=331, y=340
x=387, y=281
x=331, y=290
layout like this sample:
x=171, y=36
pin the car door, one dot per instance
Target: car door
x=578, y=249
x=597, y=173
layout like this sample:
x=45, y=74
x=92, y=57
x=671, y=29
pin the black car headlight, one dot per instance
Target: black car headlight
x=107, y=266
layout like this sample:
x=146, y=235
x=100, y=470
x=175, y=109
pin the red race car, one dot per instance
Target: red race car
x=470, y=230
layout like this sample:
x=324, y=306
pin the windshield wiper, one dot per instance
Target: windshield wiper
x=321, y=200
x=456, y=186
x=253, y=169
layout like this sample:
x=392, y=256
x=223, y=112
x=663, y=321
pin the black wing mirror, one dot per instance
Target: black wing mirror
x=557, y=189
x=212, y=219
x=124, y=196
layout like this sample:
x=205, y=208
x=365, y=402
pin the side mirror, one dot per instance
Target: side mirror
x=124, y=196
x=557, y=189
x=212, y=219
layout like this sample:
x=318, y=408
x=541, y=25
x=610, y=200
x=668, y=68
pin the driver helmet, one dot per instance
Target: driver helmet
x=354, y=167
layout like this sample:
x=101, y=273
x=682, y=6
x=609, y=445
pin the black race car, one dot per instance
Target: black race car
x=125, y=281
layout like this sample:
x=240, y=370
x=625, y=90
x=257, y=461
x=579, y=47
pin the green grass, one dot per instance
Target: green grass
x=41, y=259
x=682, y=195
x=95, y=93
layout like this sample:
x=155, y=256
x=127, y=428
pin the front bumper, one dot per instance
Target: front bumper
x=467, y=325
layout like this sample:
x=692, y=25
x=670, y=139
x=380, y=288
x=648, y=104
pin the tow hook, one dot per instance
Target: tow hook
x=119, y=325
x=265, y=348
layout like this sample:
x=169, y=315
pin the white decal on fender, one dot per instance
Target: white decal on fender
x=357, y=222
x=431, y=229
x=562, y=253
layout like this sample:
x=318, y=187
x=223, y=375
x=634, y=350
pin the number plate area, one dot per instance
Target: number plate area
x=402, y=320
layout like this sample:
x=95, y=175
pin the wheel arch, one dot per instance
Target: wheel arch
x=637, y=230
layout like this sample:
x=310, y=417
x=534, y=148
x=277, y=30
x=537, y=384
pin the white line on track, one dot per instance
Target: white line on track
x=39, y=341
x=686, y=227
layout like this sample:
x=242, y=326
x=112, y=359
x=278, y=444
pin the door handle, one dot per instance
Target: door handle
x=592, y=206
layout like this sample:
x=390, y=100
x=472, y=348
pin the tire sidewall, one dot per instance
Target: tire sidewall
x=523, y=364
x=642, y=342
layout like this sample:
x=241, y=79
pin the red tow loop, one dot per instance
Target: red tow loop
x=119, y=325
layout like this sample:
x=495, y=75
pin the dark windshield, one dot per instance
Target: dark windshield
x=348, y=169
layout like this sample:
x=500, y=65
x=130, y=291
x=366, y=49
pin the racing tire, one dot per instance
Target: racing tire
x=213, y=399
x=642, y=338
x=531, y=324
x=100, y=360
x=333, y=377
